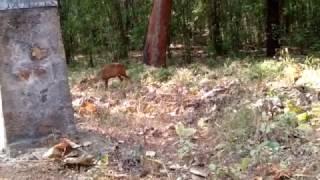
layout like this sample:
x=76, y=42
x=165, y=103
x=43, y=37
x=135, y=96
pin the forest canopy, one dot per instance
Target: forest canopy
x=113, y=27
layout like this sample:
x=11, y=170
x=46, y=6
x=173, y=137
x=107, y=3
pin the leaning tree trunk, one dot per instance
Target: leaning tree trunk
x=157, y=35
x=273, y=26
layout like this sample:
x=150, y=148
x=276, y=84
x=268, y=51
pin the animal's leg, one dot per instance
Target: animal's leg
x=125, y=75
x=106, y=84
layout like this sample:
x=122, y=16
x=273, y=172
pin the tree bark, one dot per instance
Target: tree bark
x=187, y=32
x=118, y=22
x=214, y=25
x=128, y=22
x=273, y=26
x=157, y=35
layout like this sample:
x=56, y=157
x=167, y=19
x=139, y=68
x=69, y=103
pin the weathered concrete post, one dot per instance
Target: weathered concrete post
x=33, y=74
x=3, y=139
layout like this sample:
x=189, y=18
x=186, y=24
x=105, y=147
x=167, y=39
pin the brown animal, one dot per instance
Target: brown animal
x=111, y=71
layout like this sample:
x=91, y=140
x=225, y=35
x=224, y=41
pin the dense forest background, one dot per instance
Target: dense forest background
x=239, y=97
x=112, y=28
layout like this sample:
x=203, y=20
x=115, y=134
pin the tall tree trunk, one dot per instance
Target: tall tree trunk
x=122, y=52
x=187, y=32
x=157, y=35
x=128, y=22
x=59, y=5
x=68, y=50
x=169, y=53
x=273, y=26
x=214, y=23
x=285, y=19
x=236, y=25
x=91, y=64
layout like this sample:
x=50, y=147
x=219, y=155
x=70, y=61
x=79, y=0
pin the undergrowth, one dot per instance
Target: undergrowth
x=220, y=101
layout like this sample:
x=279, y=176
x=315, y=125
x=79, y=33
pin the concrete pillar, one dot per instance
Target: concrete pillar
x=36, y=99
x=3, y=139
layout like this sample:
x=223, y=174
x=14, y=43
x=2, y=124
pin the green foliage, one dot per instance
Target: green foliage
x=184, y=134
x=113, y=27
x=240, y=126
x=303, y=117
x=105, y=159
x=183, y=76
x=198, y=69
x=163, y=74
x=138, y=16
x=77, y=73
x=245, y=163
x=157, y=75
x=287, y=119
x=305, y=128
x=271, y=146
x=292, y=107
x=136, y=71
x=264, y=69
x=313, y=62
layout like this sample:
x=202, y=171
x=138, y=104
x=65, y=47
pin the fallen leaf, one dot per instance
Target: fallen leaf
x=52, y=153
x=279, y=174
x=175, y=167
x=199, y=171
x=87, y=143
x=84, y=159
x=195, y=177
x=115, y=175
x=258, y=178
x=59, y=150
x=71, y=143
x=87, y=107
x=151, y=154
x=212, y=167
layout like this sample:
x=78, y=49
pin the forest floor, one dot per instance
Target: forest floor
x=220, y=118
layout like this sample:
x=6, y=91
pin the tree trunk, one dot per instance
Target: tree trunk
x=157, y=35
x=168, y=46
x=128, y=22
x=64, y=36
x=236, y=21
x=187, y=32
x=214, y=23
x=91, y=64
x=69, y=49
x=122, y=52
x=273, y=27
x=285, y=19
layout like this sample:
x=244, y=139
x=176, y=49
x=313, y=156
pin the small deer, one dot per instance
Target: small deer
x=111, y=71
